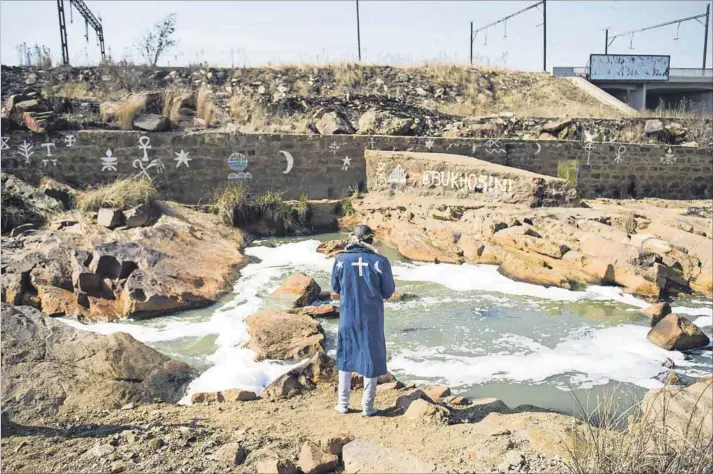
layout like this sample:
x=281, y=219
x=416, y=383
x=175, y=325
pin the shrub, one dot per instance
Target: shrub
x=231, y=204
x=129, y=109
x=121, y=194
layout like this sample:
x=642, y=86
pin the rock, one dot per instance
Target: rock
x=672, y=378
x=138, y=216
x=300, y=286
x=205, y=397
x=315, y=461
x=335, y=444
x=49, y=367
x=652, y=127
x=237, y=395
x=684, y=410
x=519, y=269
x=279, y=335
x=437, y=391
x=363, y=456
x=22, y=204
x=332, y=247
x=151, y=123
x=399, y=296
x=423, y=411
x=389, y=386
x=59, y=191
x=458, y=401
x=155, y=444
x=230, y=454
x=555, y=126
x=657, y=312
x=358, y=380
x=331, y=123
x=320, y=368
x=512, y=461
x=20, y=229
x=376, y=122
x=31, y=79
x=489, y=404
x=110, y=218
x=546, y=137
x=273, y=465
x=27, y=106
x=319, y=311
x=674, y=332
x=404, y=401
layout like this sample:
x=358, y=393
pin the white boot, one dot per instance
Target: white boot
x=345, y=385
x=367, y=401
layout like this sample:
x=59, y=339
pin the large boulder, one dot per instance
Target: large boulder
x=300, y=288
x=424, y=412
x=674, y=332
x=22, y=204
x=49, y=367
x=519, y=269
x=364, y=456
x=686, y=411
x=331, y=123
x=657, y=312
x=319, y=369
x=376, y=122
x=151, y=123
x=313, y=460
x=281, y=335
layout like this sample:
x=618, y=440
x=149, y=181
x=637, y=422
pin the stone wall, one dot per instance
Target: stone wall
x=333, y=166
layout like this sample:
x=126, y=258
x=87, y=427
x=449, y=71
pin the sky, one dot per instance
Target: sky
x=255, y=33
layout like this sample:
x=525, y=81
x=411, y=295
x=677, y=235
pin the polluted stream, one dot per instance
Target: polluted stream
x=466, y=326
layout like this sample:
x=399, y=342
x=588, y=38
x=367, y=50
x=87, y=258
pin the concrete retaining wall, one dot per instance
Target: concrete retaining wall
x=331, y=167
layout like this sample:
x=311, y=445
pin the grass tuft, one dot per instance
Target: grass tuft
x=121, y=194
x=129, y=109
x=205, y=108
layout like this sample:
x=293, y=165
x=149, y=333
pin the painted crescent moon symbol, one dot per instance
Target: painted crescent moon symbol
x=290, y=161
x=539, y=148
x=376, y=267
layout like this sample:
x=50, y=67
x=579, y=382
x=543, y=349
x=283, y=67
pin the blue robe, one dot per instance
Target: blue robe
x=363, y=280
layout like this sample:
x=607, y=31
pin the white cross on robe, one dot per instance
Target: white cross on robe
x=340, y=265
x=361, y=264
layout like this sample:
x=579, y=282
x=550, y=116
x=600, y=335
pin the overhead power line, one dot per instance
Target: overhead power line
x=89, y=20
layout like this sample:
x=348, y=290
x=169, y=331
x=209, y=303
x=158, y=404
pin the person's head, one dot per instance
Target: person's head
x=363, y=233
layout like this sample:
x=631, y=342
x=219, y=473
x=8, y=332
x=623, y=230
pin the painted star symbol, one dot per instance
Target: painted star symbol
x=346, y=162
x=182, y=159
x=429, y=144
x=340, y=264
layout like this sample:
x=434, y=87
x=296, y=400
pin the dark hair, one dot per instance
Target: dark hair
x=364, y=233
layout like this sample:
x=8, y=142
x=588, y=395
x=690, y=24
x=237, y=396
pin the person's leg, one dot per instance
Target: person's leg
x=367, y=401
x=345, y=385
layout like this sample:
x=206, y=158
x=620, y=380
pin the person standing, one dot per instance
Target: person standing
x=363, y=280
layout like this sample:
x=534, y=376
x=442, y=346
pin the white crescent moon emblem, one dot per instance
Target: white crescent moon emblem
x=290, y=161
x=376, y=267
x=539, y=148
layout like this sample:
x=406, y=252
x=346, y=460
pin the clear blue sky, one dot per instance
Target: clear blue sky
x=263, y=32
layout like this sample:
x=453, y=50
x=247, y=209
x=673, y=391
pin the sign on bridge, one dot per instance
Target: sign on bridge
x=628, y=67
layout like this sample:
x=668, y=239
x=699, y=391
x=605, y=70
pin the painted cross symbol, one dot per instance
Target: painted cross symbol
x=361, y=264
x=48, y=145
x=69, y=140
x=340, y=264
x=334, y=147
x=619, y=154
x=4, y=145
x=371, y=143
x=145, y=144
x=588, y=147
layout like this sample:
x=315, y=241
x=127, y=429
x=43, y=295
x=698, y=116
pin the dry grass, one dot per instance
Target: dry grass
x=121, y=194
x=631, y=441
x=236, y=207
x=172, y=100
x=231, y=203
x=205, y=108
x=252, y=116
x=129, y=109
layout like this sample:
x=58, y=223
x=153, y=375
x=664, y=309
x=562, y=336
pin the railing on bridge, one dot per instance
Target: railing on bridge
x=673, y=72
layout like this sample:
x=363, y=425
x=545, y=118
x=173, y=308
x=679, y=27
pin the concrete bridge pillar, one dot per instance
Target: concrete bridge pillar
x=637, y=97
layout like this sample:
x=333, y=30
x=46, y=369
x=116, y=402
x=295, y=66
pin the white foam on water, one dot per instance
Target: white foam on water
x=621, y=353
x=703, y=321
x=693, y=311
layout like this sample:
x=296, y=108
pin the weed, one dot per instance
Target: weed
x=129, y=109
x=347, y=208
x=231, y=204
x=121, y=194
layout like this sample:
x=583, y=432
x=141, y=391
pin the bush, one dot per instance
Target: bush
x=122, y=194
x=231, y=204
x=236, y=207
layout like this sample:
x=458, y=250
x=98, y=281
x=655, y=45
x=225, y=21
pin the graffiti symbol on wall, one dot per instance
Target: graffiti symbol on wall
x=429, y=144
x=26, y=151
x=588, y=147
x=139, y=164
x=290, y=161
x=334, y=148
x=620, y=154
x=473, y=182
x=48, y=146
x=669, y=158
x=345, y=163
x=397, y=176
x=4, y=143
x=475, y=147
x=371, y=143
x=381, y=175
x=494, y=146
x=109, y=162
x=539, y=149
x=53, y=160
x=69, y=141
x=182, y=158
x=145, y=145
x=238, y=162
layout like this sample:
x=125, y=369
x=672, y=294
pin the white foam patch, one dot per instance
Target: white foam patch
x=703, y=321
x=594, y=357
x=693, y=311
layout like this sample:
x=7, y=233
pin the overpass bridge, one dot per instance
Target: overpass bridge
x=690, y=87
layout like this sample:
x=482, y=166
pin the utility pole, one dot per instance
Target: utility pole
x=358, y=33
x=544, y=35
x=63, y=31
x=606, y=41
x=705, y=35
x=471, y=43
x=89, y=19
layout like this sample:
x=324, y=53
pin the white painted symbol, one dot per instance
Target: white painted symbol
x=145, y=145
x=45, y=161
x=26, y=151
x=494, y=146
x=69, y=140
x=48, y=145
x=539, y=149
x=588, y=147
x=475, y=147
x=290, y=161
x=240, y=175
x=340, y=265
x=345, y=163
x=182, y=158
x=371, y=143
x=381, y=175
x=620, y=154
x=5, y=145
x=376, y=267
x=397, y=176
x=669, y=158
x=334, y=148
x=157, y=163
x=429, y=144
x=361, y=264
x=109, y=162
